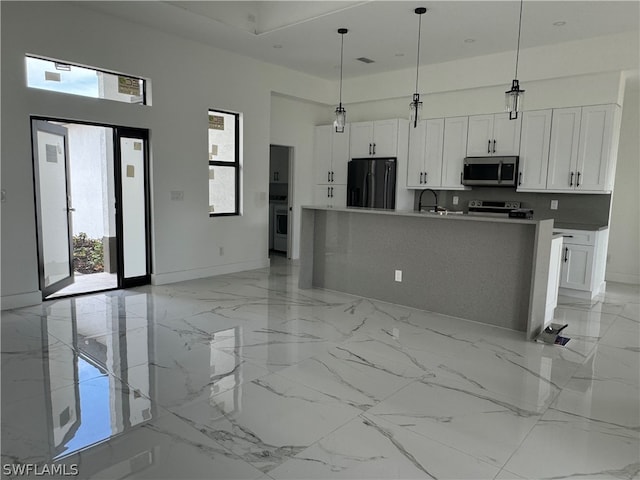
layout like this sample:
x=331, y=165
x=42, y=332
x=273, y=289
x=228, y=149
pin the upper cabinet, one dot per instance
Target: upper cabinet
x=279, y=170
x=583, y=149
x=424, y=167
x=493, y=135
x=374, y=139
x=454, y=151
x=331, y=155
x=534, y=150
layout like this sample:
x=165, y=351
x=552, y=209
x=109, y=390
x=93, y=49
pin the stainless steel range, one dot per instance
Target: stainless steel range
x=492, y=208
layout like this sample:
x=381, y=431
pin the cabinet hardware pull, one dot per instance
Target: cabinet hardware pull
x=461, y=179
x=332, y=176
x=571, y=181
x=421, y=174
x=369, y=149
x=566, y=252
x=567, y=236
x=328, y=192
x=494, y=146
x=519, y=178
x=425, y=177
x=328, y=176
x=488, y=146
x=578, y=180
x=374, y=148
x=331, y=192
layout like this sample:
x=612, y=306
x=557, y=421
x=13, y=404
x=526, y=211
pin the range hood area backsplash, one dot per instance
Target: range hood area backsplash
x=582, y=209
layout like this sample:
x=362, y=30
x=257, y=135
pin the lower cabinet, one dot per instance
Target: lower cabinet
x=330, y=195
x=584, y=257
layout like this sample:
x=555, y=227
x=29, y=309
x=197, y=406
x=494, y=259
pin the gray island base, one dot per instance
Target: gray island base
x=484, y=269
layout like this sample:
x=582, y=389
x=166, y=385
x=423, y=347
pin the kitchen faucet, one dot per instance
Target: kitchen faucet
x=435, y=195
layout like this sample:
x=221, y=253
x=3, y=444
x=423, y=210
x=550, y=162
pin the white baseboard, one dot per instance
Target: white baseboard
x=173, y=277
x=623, y=278
x=9, y=302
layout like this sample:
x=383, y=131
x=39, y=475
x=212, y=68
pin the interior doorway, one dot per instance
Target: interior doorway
x=280, y=200
x=91, y=206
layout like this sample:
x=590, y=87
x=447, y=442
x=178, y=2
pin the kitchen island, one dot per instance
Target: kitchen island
x=486, y=269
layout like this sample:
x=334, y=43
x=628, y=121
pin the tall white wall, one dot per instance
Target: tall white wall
x=624, y=233
x=187, y=79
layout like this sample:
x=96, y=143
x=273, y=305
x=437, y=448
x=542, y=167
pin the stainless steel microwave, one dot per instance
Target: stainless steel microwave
x=490, y=171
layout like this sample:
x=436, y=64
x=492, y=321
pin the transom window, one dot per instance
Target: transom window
x=62, y=77
x=224, y=163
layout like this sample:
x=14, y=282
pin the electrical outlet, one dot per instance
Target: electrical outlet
x=398, y=275
x=554, y=204
x=455, y=200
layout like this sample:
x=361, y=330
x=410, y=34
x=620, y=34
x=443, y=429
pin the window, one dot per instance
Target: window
x=56, y=76
x=224, y=163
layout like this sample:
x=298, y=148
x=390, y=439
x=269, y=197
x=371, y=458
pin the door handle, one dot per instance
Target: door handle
x=461, y=179
x=578, y=180
x=566, y=253
x=71, y=209
x=488, y=146
x=494, y=146
x=499, y=171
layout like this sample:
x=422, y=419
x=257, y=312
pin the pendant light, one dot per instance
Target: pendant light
x=341, y=113
x=416, y=105
x=513, y=98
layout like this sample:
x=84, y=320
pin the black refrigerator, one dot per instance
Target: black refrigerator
x=371, y=182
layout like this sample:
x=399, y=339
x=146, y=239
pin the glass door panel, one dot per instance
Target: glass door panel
x=53, y=204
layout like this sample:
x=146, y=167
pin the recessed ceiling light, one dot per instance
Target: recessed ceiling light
x=559, y=24
x=469, y=40
x=277, y=46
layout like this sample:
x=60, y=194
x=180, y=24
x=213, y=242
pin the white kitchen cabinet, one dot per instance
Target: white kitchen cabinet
x=453, y=152
x=597, y=148
x=374, y=139
x=583, y=262
x=534, y=150
x=493, y=135
x=278, y=170
x=583, y=149
x=331, y=155
x=424, y=168
x=331, y=195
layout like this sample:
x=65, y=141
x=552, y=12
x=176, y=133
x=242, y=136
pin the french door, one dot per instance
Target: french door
x=53, y=203
x=54, y=207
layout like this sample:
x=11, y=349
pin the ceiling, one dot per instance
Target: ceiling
x=302, y=35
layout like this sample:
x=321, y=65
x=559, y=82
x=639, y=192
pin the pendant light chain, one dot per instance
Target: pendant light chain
x=418, y=55
x=519, y=32
x=341, y=63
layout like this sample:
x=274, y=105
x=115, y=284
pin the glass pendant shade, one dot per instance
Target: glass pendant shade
x=513, y=100
x=341, y=119
x=415, y=107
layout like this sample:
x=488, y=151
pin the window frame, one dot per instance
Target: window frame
x=145, y=99
x=235, y=164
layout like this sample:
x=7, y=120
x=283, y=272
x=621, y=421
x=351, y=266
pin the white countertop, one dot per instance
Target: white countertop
x=433, y=216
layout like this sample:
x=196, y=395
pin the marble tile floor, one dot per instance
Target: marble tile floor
x=246, y=376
